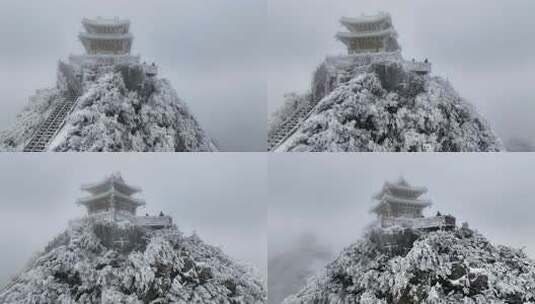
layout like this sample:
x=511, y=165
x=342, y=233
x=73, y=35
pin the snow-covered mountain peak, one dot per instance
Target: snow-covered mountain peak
x=100, y=261
x=398, y=265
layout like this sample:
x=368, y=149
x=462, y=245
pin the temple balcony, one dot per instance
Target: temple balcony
x=423, y=223
x=154, y=222
x=418, y=67
x=150, y=69
x=98, y=60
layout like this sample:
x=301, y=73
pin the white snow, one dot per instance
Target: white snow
x=38, y=109
x=113, y=116
x=80, y=266
x=457, y=266
x=361, y=115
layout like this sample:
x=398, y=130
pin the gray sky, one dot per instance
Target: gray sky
x=221, y=196
x=483, y=47
x=211, y=51
x=328, y=196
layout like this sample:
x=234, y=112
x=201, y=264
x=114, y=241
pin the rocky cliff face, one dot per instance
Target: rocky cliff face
x=381, y=105
x=404, y=266
x=99, y=262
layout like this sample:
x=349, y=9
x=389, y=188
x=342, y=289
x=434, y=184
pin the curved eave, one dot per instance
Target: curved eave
x=406, y=190
x=105, y=186
x=388, y=199
x=351, y=35
x=419, y=203
x=87, y=200
x=89, y=36
x=410, y=189
x=106, y=22
x=365, y=19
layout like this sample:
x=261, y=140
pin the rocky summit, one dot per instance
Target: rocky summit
x=405, y=266
x=117, y=262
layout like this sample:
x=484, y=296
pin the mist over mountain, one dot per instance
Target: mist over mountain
x=288, y=270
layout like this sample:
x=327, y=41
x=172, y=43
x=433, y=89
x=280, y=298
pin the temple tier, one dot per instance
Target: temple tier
x=369, y=34
x=112, y=199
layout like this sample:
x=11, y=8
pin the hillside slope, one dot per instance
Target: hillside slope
x=120, y=110
x=99, y=262
x=458, y=266
x=385, y=107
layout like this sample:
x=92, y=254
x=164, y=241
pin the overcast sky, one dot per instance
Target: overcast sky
x=211, y=51
x=485, y=48
x=327, y=197
x=220, y=196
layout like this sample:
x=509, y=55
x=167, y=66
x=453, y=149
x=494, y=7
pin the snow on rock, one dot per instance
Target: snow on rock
x=455, y=266
x=293, y=102
x=385, y=107
x=111, y=118
x=98, y=262
x=40, y=105
x=120, y=109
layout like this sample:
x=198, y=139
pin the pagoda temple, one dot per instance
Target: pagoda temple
x=369, y=34
x=106, y=36
x=112, y=199
x=108, y=41
x=400, y=204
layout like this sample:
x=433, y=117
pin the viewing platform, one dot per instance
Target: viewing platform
x=424, y=223
x=419, y=67
x=102, y=60
x=150, y=70
x=154, y=222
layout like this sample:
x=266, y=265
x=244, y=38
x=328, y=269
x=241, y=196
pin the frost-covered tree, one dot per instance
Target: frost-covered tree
x=385, y=107
x=120, y=109
x=412, y=267
x=39, y=107
x=103, y=262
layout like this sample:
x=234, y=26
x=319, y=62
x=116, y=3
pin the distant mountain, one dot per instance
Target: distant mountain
x=287, y=270
x=405, y=266
x=519, y=145
x=97, y=261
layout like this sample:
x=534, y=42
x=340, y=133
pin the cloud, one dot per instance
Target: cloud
x=300, y=259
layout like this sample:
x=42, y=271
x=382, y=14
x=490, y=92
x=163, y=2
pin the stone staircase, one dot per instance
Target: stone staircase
x=289, y=126
x=51, y=126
